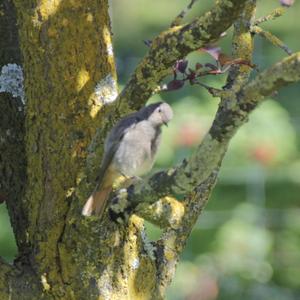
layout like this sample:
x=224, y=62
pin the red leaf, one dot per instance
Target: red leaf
x=175, y=85
x=181, y=65
x=191, y=76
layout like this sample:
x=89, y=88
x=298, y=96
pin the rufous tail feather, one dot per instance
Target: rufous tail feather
x=96, y=203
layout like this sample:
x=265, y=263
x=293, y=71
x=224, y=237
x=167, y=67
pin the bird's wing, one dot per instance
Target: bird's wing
x=155, y=142
x=113, y=141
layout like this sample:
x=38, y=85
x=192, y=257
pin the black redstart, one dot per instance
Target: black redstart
x=129, y=150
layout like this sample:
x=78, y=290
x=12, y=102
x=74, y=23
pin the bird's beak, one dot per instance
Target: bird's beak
x=165, y=123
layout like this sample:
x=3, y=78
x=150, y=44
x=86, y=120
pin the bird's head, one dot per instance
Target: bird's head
x=159, y=113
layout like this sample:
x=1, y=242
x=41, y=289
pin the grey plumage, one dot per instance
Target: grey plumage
x=129, y=150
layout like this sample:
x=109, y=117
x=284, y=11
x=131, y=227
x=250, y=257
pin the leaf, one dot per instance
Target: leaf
x=175, y=84
x=181, y=65
x=191, y=76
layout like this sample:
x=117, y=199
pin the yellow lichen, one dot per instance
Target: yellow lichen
x=45, y=284
x=65, y=22
x=52, y=32
x=48, y=8
x=89, y=17
x=82, y=78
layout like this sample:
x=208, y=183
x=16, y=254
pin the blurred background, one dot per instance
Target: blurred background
x=246, y=244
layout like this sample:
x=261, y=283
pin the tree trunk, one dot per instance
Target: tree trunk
x=69, y=78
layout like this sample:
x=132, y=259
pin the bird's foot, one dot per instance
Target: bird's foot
x=120, y=208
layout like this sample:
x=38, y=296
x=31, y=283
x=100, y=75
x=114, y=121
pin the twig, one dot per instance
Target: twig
x=213, y=91
x=270, y=80
x=271, y=38
x=182, y=14
x=278, y=12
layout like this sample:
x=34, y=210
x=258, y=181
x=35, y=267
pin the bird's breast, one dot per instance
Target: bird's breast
x=134, y=156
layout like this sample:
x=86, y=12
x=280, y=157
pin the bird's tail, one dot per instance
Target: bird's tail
x=96, y=203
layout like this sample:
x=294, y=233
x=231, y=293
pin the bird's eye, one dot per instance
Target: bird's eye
x=159, y=110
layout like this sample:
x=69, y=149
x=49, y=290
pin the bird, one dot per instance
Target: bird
x=129, y=151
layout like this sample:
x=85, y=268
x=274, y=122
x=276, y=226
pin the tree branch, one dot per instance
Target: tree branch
x=271, y=38
x=176, y=43
x=178, y=20
x=191, y=173
x=228, y=119
x=166, y=212
x=173, y=240
x=272, y=79
x=277, y=12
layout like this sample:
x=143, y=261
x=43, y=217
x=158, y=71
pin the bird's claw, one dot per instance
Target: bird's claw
x=120, y=208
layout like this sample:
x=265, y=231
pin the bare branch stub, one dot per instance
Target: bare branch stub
x=276, y=13
x=270, y=80
x=271, y=38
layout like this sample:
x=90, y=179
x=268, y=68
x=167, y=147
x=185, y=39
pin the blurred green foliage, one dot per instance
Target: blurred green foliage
x=8, y=247
x=246, y=244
